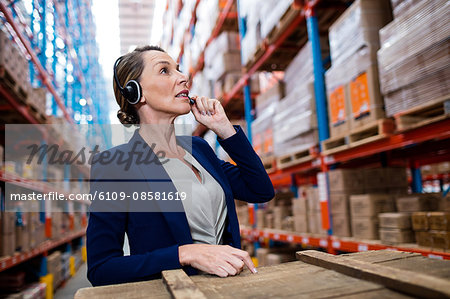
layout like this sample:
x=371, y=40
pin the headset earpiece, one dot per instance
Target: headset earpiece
x=132, y=91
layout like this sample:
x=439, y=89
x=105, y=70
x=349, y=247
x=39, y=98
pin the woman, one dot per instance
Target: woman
x=202, y=235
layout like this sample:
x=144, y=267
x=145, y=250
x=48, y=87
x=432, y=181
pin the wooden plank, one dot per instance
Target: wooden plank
x=380, y=256
x=375, y=294
x=409, y=282
x=180, y=285
x=134, y=290
x=288, y=280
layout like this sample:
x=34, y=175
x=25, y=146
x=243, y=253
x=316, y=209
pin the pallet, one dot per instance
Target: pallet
x=374, y=131
x=269, y=163
x=372, y=274
x=371, y=132
x=422, y=115
x=335, y=144
x=18, y=90
x=37, y=113
x=296, y=158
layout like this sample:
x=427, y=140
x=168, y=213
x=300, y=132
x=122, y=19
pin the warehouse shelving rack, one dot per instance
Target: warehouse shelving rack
x=433, y=139
x=82, y=51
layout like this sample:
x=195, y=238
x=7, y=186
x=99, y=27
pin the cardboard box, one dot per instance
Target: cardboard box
x=8, y=244
x=396, y=177
x=301, y=223
x=417, y=203
x=424, y=238
x=365, y=228
x=288, y=223
x=261, y=255
x=341, y=225
x=269, y=220
x=419, y=221
x=260, y=218
x=339, y=203
x=271, y=95
x=371, y=204
x=395, y=220
x=440, y=239
x=279, y=213
x=8, y=223
x=374, y=178
x=444, y=204
x=22, y=238
x=396, y=236
x=439, y=221
x=346, y=180
x=299, y=206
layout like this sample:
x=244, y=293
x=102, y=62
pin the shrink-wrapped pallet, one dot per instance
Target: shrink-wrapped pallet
x=413, y=59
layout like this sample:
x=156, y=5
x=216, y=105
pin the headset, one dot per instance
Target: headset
x=132, y=90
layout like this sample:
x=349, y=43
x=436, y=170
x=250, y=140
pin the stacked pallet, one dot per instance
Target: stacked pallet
x=354, y=100
x=413, y=61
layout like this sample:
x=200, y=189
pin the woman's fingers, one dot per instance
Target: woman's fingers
x=236, y=262
x=245, y=257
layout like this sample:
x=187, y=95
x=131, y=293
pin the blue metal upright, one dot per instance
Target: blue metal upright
x=319, y=81
x=416, y=180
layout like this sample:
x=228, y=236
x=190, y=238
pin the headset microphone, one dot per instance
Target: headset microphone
x=191, y=101
x=132, y=90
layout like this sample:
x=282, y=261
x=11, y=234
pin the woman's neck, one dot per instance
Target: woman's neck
x=162, y=135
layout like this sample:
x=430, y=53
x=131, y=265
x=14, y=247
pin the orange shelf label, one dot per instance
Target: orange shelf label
x=337, y=105
x=359, y=96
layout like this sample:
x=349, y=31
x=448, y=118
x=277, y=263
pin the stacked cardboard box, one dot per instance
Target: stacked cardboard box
x=272, y=10
x=54, y=267
x=352, y=81
x=262, y=126
x=342, y=184
x=432, y=229
x=8, y=230
x=250, y=11
x=364, y=213
x=222, y=56
x=395, y=228
x=23, y=232
x=300, y=213
x=274, y=256
x=373, y=184
x=413, y=58
x=242, y=214
x=15, y=66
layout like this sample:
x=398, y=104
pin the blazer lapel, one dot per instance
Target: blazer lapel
x=154, y=174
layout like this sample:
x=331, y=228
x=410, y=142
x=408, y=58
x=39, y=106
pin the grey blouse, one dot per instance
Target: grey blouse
x=205, y=205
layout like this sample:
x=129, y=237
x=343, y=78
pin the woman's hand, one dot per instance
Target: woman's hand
x=210, y=113
x=221, y=260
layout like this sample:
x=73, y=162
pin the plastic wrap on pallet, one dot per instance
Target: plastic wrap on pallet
x=227, y=41
x=262, y=132
x=399, y=7
x=272, y=10
x=300, y=142
x=249, y=10
x=414, y=56
x=222, y=64
x=358, y=27
x=433, y=87
x=295, y=114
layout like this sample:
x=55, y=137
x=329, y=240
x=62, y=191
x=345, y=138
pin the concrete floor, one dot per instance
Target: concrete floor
x=71, y=286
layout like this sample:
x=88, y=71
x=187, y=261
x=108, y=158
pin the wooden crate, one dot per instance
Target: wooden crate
x=425, y=114
x=373, y=274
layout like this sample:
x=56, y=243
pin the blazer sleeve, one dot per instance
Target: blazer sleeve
x=105, y=238
x=248, y=178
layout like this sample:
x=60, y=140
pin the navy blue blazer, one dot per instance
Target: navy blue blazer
x=154, y=237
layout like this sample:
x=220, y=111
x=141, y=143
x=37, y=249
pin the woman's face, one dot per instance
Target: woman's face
x=163, y=85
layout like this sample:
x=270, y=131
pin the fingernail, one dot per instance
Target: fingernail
x=255, y=271
x=203, y=113
x=209, y=113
